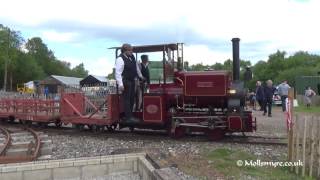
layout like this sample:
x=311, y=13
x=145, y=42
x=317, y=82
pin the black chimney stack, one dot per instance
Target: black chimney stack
x=236, y=59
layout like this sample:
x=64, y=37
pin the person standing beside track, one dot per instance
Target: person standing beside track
x=268, y=95
x=260, y=95
x=283, y=91
x=126, y=73
x=308, y=94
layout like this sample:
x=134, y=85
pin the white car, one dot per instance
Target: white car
x=276, y=99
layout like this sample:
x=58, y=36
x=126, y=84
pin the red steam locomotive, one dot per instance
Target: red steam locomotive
x=179, y=101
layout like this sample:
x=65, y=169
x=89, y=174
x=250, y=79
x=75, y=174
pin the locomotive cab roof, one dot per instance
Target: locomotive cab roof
x=152, y=48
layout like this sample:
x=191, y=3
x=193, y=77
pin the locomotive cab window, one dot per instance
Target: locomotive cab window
x=164, y=60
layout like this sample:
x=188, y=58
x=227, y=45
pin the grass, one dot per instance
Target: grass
x=225, y=162
x=312, y=109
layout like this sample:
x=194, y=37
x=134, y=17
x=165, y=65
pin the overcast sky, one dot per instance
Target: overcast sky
x=81, y=31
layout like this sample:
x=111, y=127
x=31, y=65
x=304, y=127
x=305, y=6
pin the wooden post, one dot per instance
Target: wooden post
x=304, y=147
x=297, y=142
x=312, y=146
x=293, y=149
x=290, y=131
x=290, y=140
x=318, y=140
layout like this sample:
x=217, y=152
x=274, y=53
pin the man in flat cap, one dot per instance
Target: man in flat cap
x=126, y=72
x=144, y=68
x=143, y=85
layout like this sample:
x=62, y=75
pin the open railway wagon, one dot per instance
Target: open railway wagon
x=177, y=101
x=75, y=106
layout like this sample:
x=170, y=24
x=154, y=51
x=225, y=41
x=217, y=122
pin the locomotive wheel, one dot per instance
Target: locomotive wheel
x=101, y=128
x=58, y=123
x=11, y=119
x=179, y=132
x=41, y=124
x=28, y=123
x=94, y=128
x=80, y=127
x=215, y=134
x=22, y=121
x=111, y=128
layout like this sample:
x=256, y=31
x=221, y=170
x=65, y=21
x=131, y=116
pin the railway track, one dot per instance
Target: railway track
x=256, y=140
x=238, y=138
x=6, y=142
x=21, y=145
x=241, y=139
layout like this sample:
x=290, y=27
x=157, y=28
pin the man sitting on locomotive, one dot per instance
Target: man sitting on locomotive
x=126, y=72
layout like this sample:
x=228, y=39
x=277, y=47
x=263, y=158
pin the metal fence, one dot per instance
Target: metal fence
x=301, y=82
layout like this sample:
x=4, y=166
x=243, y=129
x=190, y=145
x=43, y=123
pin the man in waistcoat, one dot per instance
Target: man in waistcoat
x=126, y=73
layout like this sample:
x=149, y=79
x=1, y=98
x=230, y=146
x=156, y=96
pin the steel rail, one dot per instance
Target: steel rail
x=7, y=141
x=24, y=158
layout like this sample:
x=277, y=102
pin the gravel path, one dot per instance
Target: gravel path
x=274, y=126
x=70, y=146
x=162, y=149
x=80, y=144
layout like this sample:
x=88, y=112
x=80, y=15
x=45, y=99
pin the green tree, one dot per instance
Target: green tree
x=79, y=71
x=112, y=75
x=27, y=69
x=42, y=55
x=10, y=45
x=198, y=67
x=292, y=73
x=217, y=66
x=227, y=65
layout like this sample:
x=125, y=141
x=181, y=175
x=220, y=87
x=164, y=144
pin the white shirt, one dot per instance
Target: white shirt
x=119, y=66
x=140, y=66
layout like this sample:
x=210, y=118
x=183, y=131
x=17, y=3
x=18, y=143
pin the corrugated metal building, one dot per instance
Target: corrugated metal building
x=93, y=80
x=56, y=84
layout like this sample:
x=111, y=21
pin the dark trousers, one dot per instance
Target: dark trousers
x=128, y=97
x=283, y=102
x=261, y=104
x=267, y=104
x=139, y=95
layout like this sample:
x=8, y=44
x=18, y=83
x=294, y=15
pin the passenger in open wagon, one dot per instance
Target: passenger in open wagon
x=126, y=72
